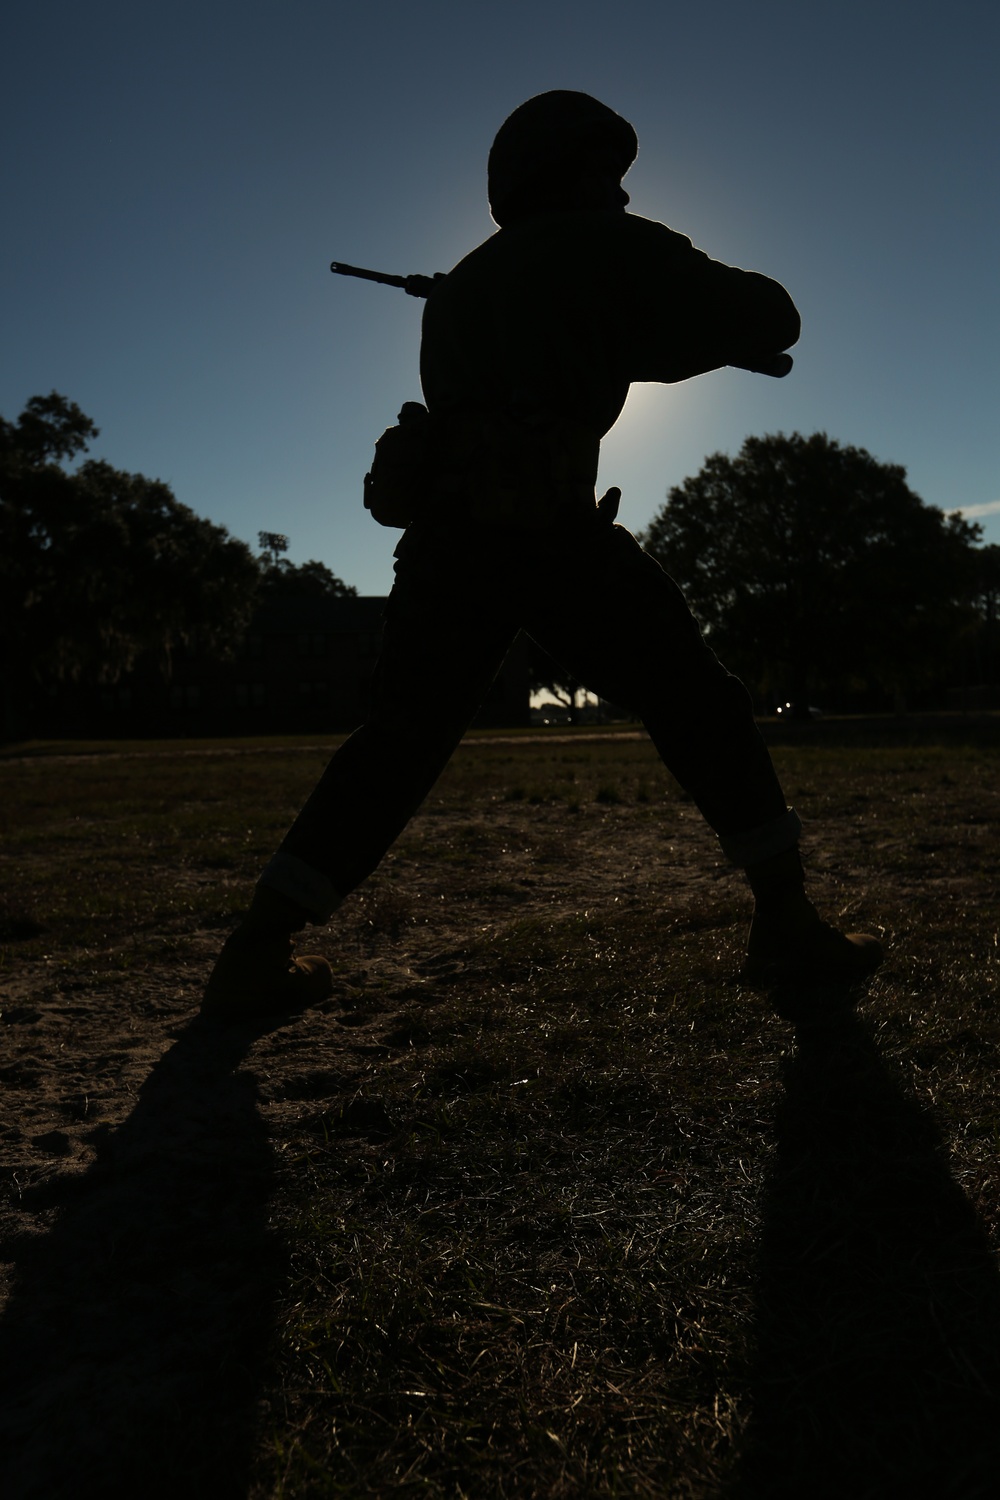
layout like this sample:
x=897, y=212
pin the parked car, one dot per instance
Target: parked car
x=796, y=711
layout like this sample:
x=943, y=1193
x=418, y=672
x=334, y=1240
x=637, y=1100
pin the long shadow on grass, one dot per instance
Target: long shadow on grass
x=132, y=1348
x=878, y=1368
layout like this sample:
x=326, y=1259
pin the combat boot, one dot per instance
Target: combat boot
x=789, y=943
x=258, y=972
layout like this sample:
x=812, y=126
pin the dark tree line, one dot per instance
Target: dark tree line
x=101, y=570
x=818, y=574
x=281, y=579
x=815, y=570
x=985, y=647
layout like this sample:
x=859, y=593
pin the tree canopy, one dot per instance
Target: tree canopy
x=281, y=579
x=100, y=568
x=815, y=568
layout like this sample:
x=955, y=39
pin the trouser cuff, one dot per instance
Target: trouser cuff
x=300, y=883
x=752, y=845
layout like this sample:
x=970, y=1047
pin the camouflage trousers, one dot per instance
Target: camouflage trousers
x=608, y=613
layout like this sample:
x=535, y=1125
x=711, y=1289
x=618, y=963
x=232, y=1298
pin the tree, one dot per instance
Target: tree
x=986, y=601
x=50, y=428
x=813, y=568
x=281, y=579
x=99, y=567
x=545, y=672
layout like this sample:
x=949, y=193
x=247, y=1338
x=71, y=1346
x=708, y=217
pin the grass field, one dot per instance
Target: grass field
x=542, y=1203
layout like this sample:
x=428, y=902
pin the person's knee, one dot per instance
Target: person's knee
x=700, y=707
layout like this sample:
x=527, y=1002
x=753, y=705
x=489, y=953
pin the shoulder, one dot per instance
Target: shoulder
x=566, y=247
x=649, y=237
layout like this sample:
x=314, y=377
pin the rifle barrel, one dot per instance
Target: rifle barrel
x=382, y=277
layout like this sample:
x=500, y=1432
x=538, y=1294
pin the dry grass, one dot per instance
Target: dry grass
x=559, y=1208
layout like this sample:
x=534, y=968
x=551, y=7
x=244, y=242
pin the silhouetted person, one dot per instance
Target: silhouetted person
x=528, y=350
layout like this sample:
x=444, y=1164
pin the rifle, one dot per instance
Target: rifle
x=416, y=286
x=775, y=365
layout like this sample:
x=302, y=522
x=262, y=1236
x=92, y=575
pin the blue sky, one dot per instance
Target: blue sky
x=178, y=178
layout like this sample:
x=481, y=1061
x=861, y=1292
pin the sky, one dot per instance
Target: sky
x=178, y=177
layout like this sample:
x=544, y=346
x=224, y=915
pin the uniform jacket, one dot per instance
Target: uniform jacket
x=565, y=310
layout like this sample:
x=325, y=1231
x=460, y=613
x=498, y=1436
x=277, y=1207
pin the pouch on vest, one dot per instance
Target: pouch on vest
x=399, y=481
x=486, y=468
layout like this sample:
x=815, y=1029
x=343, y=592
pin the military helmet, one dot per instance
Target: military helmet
x=546, y=133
